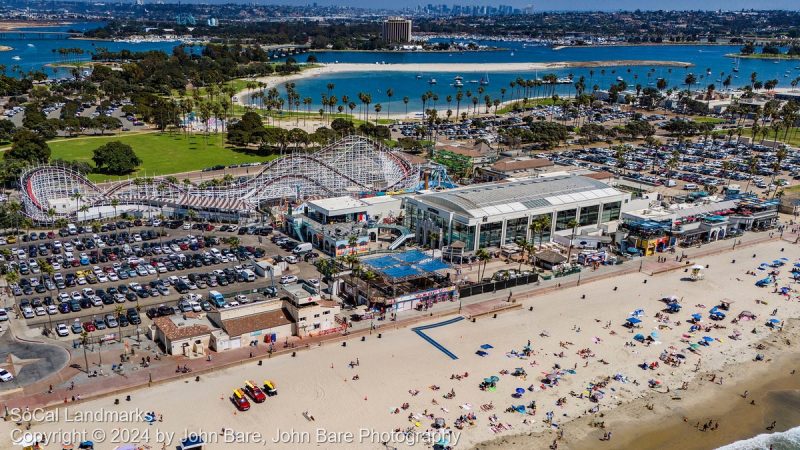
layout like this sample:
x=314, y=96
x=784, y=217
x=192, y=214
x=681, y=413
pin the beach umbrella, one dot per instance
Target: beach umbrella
x=633, y=320
x=708, y=339
x=638, y=337
x=697, y=316
x=487, y=380
x=774, y=320
x=698, y=267
x=519, y=391
x=494, y=378
x=694, y=346
x=654, y=334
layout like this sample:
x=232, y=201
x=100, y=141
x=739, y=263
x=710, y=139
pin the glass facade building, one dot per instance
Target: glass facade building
x=493, y=214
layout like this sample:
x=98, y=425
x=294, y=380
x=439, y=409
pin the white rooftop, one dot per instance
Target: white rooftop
x=335, y=204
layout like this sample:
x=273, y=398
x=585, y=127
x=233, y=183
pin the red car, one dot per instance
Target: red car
x=239, y=400
x=254, y=392
x=89, y=327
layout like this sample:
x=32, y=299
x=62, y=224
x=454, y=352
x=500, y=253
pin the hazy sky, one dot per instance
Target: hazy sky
x=540, y=5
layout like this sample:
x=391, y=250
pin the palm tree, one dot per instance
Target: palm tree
x=574, y=225
x=369, y=276
x=77, y=196
x=389, y=95
x=119, y=309
x=378, y=108
x=405, y=101
x=84, y=341
x=484, y=257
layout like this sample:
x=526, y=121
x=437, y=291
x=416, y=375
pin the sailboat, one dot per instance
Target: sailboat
x=485, y=80
x=736, y=67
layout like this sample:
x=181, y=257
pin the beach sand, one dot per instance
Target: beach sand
x=320, y=382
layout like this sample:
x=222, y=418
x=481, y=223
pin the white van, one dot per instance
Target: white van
x=691, y=187
x=72, y=229
x=303, y=247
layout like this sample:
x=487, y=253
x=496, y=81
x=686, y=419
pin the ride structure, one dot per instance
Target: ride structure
x=354, y=165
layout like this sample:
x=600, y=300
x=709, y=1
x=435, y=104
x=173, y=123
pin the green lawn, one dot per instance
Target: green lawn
x=161, y=153
x=531, y=102
x=711, y=120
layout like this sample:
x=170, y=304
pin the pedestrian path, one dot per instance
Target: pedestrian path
x=420, y=333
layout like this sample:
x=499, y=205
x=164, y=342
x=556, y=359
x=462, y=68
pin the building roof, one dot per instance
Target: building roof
x=176, y=327
x=550, y=257
x=600, y=175
x=333, y=204
x=499, y=198
x=478, y=151
x=512, y=165
x=255, y=322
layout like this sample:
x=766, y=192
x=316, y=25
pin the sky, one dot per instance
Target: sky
x=540, y=5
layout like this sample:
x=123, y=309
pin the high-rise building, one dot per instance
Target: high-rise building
x=397, y=30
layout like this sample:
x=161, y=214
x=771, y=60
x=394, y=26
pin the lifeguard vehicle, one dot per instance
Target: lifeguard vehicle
x=240, y=400
x=254, y=392
x=270, y=388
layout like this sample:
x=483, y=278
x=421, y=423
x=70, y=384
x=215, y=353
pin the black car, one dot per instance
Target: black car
x=164, y=310
x=152, y=313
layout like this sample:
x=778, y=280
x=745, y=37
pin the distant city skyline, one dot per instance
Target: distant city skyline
x=539, y=6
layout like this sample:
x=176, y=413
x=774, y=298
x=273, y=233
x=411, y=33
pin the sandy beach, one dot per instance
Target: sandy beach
x=575, y=335
x=271, y=81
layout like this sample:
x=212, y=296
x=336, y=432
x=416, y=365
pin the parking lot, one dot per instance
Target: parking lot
x=147, y=270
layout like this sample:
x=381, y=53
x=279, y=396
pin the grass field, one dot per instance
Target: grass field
x=711, y=120
x=161, y=153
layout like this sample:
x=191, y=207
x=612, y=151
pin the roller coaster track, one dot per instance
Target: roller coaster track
x=354, y=163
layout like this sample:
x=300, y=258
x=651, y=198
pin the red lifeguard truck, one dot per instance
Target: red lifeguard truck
x=254, y=392
x=238, y=398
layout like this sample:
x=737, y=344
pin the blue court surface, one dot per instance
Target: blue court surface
x=420, y=332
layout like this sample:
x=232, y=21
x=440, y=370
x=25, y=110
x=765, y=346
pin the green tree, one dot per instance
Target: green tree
x=28, y=146
x=116, y=158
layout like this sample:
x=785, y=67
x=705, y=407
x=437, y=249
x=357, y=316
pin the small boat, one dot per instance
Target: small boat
x=473, y=81
x=419, y=76
x=620, y=79
x=485, y=80
x=31, y=45
x=16, y=58
x=458, y=83
x=459, y=78
x=512, y=53
x=432, y=81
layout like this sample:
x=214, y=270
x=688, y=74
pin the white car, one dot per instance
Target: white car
x=3, y=315
x=286, y=279
x=313, y=282
x=62, y=330
x=27, y=312
x=52, y=310
x=40, y=311
x=5, y=375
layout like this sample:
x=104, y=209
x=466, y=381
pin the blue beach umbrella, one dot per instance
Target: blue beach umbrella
x=697, y=316
x=633, y=320
x=520, y=391
x=708, y=339
x=774, y=320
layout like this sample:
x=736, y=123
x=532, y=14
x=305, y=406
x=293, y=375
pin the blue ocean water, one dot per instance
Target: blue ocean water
x=710, y=66
x=33, y=52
